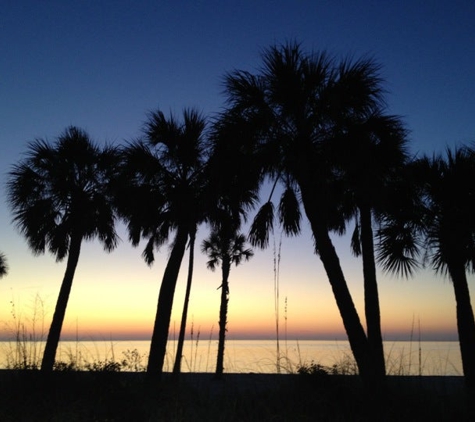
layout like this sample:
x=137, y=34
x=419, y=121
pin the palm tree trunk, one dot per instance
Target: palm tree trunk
x=325, y=249
x=158, y=344
x=465, y=324
x=181, y=336
x=351, y=321
x=61, y=305
x=223, y=313
x=371, y=296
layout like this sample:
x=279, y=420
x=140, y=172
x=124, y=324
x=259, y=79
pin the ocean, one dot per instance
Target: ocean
x=245, y=356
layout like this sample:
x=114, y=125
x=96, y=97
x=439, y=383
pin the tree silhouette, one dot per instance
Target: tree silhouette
x=441, y=225
x=159, y=192
x=369, y=153
x=59, y=197
x=296, y=103
x=224, y=247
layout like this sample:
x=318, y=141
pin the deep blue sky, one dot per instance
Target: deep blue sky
x=102, y=65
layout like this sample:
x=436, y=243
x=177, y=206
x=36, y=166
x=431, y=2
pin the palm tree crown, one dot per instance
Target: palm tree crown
x=450, y=218
x=59, y=191
x=162, y=179
x=219, y=247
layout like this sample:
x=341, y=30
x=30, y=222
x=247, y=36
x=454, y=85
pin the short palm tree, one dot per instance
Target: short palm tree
x=229, y=184
x=296, y=103
x=3, y=265
x=160, y=192
x=224, y=247
x=59, y=196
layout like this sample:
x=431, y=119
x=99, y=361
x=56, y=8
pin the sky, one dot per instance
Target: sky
x=102, y=65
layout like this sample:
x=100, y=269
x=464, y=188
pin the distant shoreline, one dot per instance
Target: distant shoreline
x=282, y=341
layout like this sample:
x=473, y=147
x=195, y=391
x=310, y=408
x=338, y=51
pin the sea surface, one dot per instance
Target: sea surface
x=244, y=356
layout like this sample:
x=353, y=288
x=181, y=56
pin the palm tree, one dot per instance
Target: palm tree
x=296, y=103
x=224, y=248
x=163, y=179
x=443, y=225
x=59, y=197
x=3, y=265
x=369, y=153
x=229, y=192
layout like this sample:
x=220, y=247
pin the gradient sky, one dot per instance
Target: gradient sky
x=101, y=65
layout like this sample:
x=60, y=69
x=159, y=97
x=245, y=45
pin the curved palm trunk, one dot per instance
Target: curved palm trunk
x=465, y=323
x=223, y=312
x=61, y=305
x=351, y=321
x=371, y=296
x=181, y=336
x=165, y=302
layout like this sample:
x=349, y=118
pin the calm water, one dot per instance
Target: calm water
x=260, y=356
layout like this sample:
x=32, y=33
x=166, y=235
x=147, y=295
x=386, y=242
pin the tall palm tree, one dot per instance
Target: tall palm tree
x=163, y=180
x=3, y=265
x=224, y=248
x=369, y=153
x=296, y=102
x=443, y=226
x=59, y=197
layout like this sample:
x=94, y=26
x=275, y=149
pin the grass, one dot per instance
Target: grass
x=28, y=333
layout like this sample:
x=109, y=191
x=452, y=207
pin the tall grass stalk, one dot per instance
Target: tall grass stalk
x=196, y=349
x=25, y=349
x=420, y=349
x=209, y=347
x=410, y=342
x=277, y=256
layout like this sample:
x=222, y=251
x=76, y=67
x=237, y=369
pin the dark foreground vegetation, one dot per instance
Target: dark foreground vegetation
x=118, y=396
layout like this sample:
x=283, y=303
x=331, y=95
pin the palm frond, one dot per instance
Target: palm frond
x=262, y=226
x=63, y=188
x=3, y=265
x=398, y=249
x=289, y=212
x=356, y=241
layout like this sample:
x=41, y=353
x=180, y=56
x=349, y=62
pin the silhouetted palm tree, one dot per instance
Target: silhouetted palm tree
x=443, y=225
x=224, y=247
x=3, y=265
x=231, y=191
x=369, y=154
x=296, y=102
x=161, y=190
x=59, y=197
